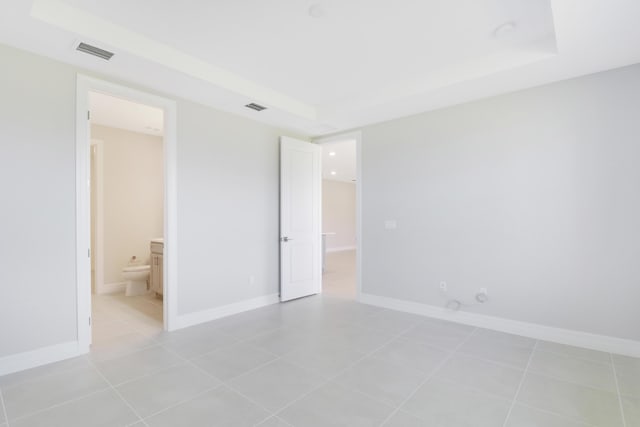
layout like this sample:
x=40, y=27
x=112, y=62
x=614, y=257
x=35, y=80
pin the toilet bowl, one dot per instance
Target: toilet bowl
x=136, y=278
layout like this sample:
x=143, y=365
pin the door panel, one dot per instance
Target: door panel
x=300, y=219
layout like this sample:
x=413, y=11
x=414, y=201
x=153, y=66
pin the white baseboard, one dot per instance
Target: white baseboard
x=532, y=330
x=185, y=320
x=341, y=248
x=112, y=288
x=41, y=356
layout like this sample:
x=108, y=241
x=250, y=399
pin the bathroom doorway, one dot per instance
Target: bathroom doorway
x=127, y=218
x=125, y=215
x=341, y=215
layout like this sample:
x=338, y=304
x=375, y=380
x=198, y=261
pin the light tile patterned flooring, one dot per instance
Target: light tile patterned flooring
x=117, y=315
x=328, y=361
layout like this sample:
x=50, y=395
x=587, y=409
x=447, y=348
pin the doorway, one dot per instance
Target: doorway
x=133, y=171
x=127, y=214
x=341, y=195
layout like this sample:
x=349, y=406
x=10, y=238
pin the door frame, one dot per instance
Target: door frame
x=357, y=135
x=84, y=85
x=98, y=249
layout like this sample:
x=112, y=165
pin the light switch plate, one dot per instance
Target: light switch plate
x=391, y=224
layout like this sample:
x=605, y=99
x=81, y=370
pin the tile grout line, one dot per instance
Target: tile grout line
x=91, y=363
x=280, y=419
x=153, y=342
x=190, y=362
x=45, y=375
x=277, y=357
x=496, y=396
x=173, y=405
x=59, y=404
x=546, y=375
x=524, y=376
x=226, y=384
x=118, y=393
x=270, y=413
x=564, y=417
x=326, y=381
x=430, y=376
x=615, y=378
x=582, y=359
x=574, y=383
x=4, y=408
x=340, y=372
x=148, y=374
x=238, y=392
x=246, y=340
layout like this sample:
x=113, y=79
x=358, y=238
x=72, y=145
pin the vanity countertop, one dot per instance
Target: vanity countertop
x=158, y=240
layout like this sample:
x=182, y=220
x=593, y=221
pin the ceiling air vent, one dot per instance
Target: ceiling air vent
x=255, y=106
x=95, y=51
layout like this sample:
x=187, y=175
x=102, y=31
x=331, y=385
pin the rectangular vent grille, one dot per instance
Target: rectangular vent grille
x=95, y=51
x=256, y=107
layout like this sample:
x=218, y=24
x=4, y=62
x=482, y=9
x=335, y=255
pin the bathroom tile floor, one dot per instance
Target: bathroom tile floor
x=117, y=315
x=328, y=361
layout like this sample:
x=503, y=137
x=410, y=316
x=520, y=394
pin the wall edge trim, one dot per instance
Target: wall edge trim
x=112, y=288
x=532, y=330
x=40, y=356
x=195, y=318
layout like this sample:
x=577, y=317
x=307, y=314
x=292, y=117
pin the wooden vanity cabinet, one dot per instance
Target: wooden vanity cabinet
x=157, y=255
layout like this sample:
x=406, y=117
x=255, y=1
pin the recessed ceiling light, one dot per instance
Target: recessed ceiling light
x=332, y=153
x=333, y=172
x=505, y=30
x=316, y=11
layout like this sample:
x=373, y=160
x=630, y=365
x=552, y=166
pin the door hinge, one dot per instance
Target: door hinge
x=88, y=115
x=89, y=252
x=89, y=320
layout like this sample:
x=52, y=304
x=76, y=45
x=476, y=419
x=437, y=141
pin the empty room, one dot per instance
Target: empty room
x=320, y=213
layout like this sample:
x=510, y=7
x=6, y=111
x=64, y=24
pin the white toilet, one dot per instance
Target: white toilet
x=136, y=277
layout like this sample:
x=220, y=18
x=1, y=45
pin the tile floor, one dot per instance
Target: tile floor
x=328, y=361
x=339, y=277
x=116, y=315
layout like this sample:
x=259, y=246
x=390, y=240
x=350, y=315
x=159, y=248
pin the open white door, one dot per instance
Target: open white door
x=300, y=219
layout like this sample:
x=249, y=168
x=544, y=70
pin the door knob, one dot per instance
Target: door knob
x=285, y=239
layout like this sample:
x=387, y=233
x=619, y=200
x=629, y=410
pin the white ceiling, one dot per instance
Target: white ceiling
x=107, y=110
x=359, y=62
x=339, y=160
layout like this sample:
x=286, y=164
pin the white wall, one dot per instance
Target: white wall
x=133, y=191
x=37, y=212
x=227, y=190
x=534, y=195
x=339, y=213
x=228, y=208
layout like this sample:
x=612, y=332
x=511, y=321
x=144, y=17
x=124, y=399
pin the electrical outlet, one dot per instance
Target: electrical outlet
x=252, y=280
x=443, y=286
x=482, y=296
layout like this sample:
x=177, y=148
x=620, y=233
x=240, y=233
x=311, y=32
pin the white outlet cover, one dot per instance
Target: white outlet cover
x=391, y=224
